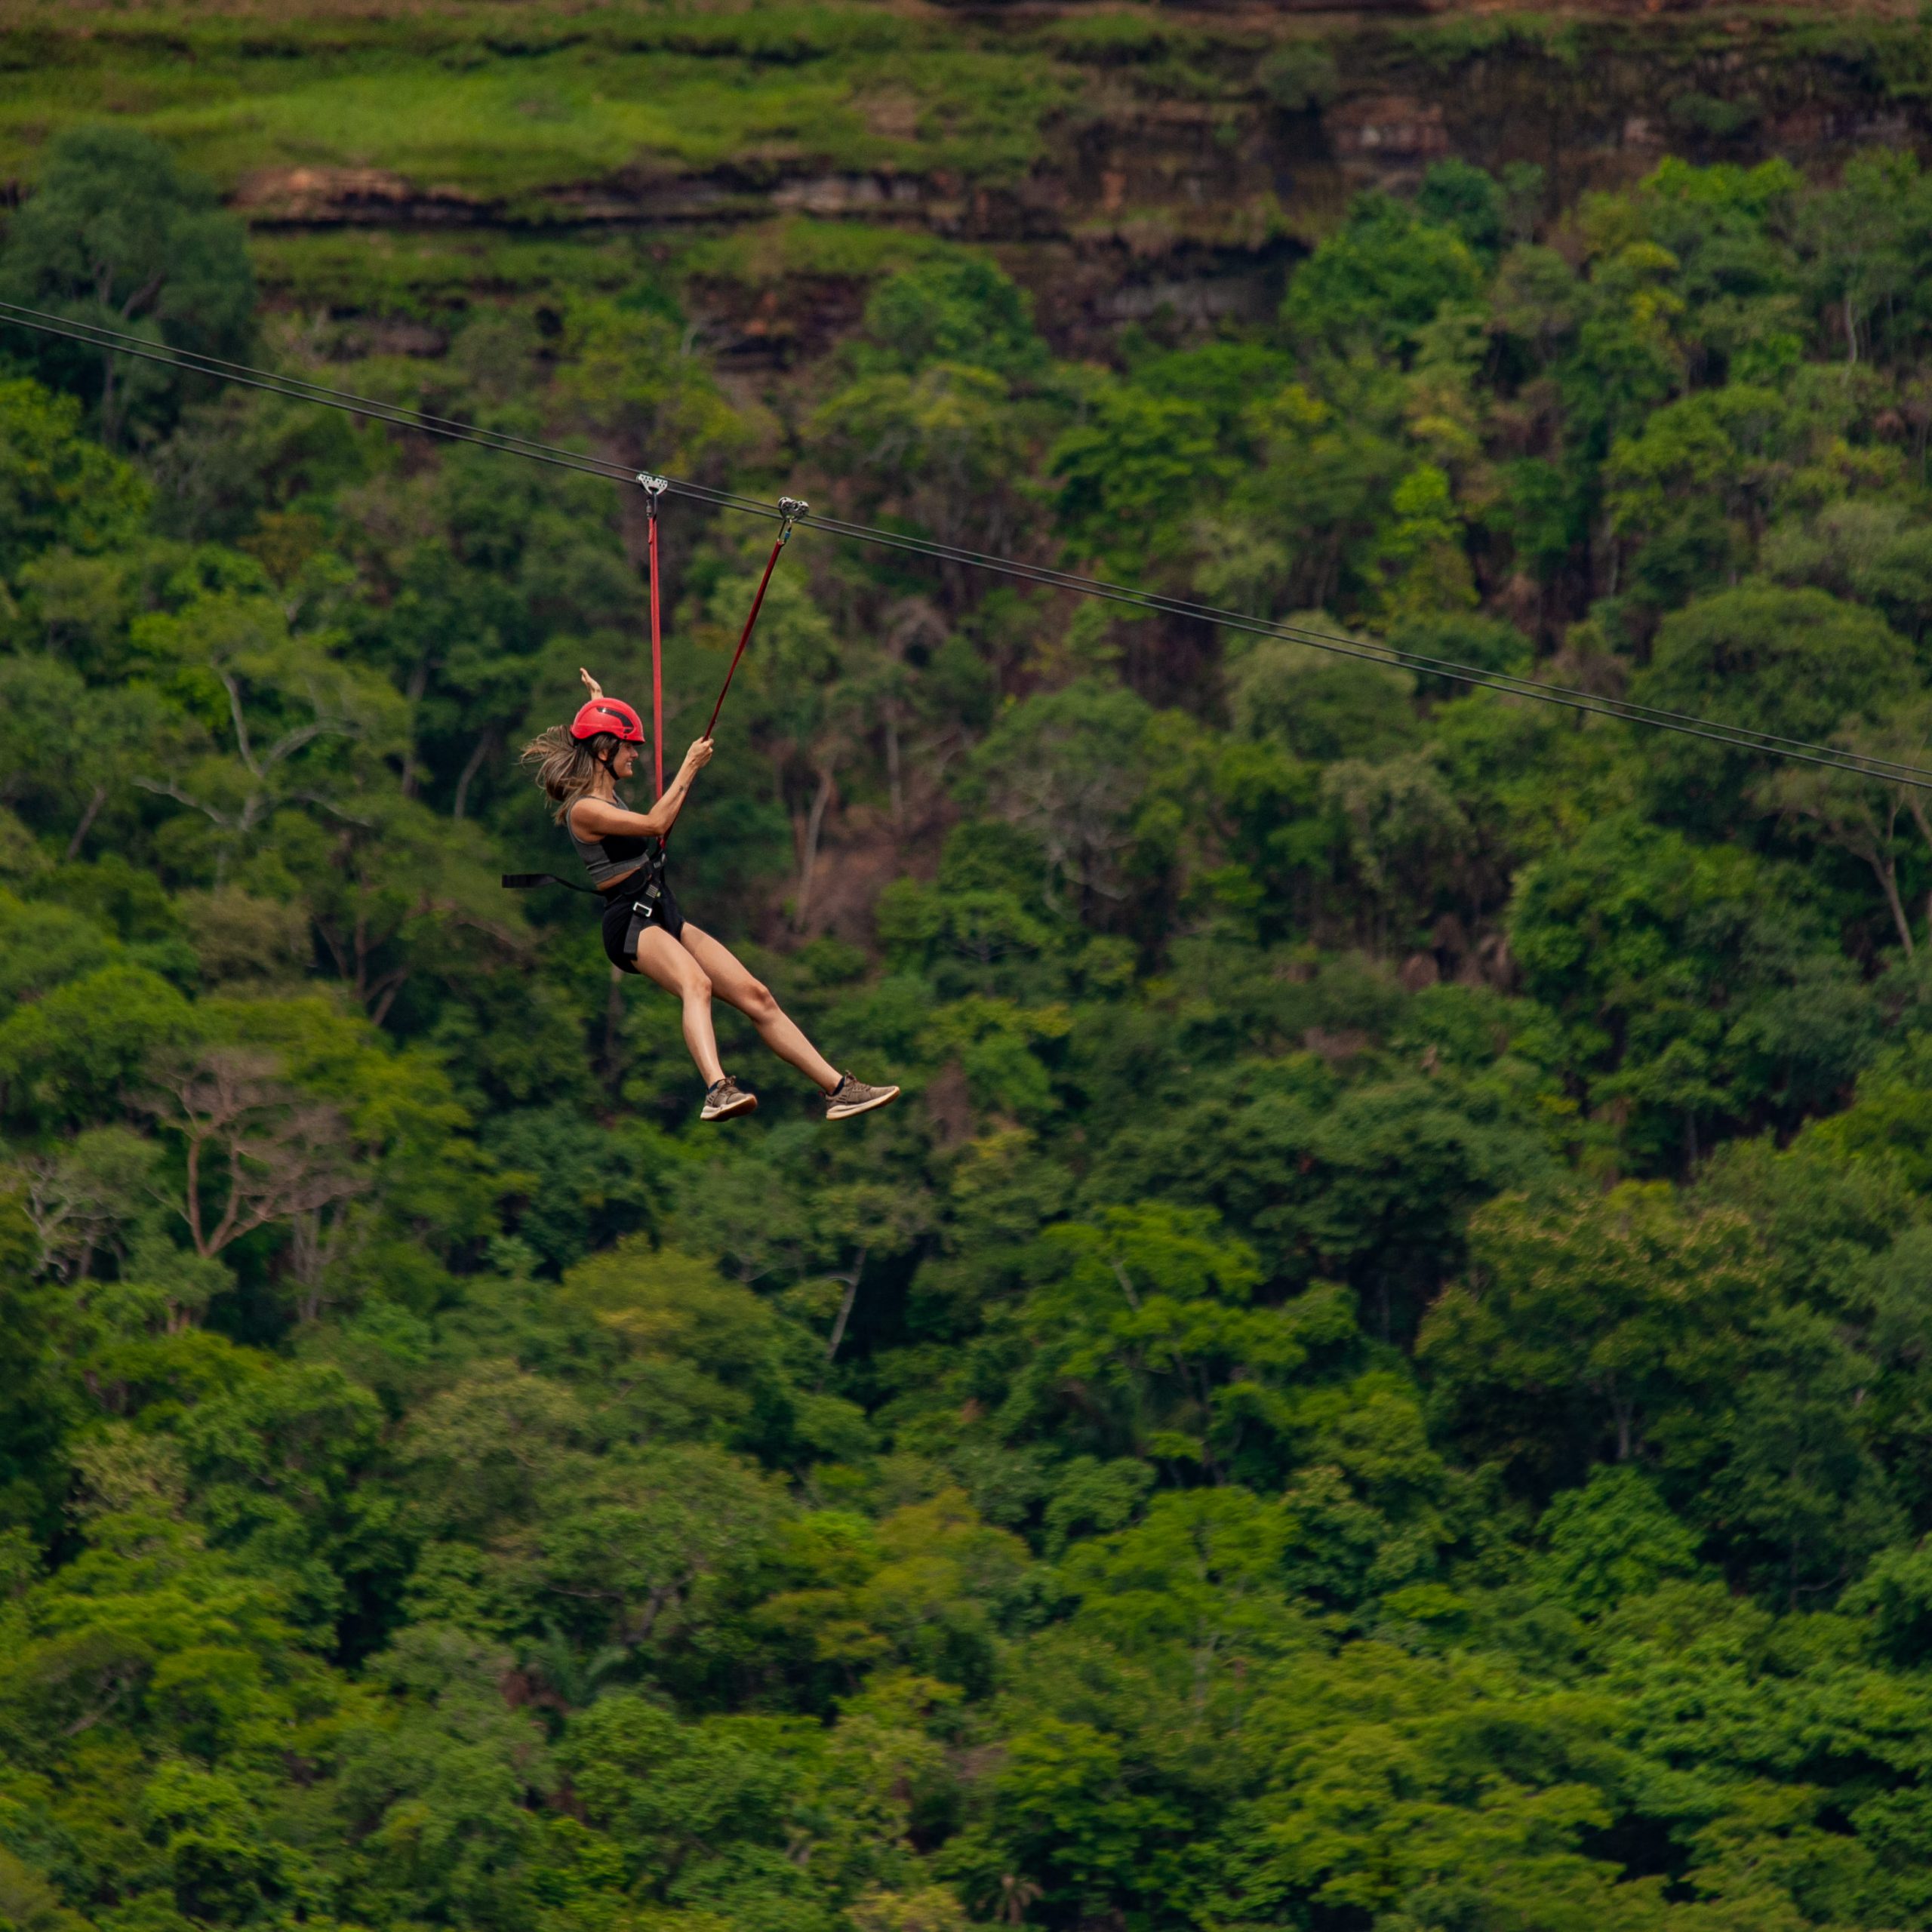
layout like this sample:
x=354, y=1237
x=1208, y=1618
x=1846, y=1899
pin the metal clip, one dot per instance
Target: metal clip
x=790, y=509
x=653, y=487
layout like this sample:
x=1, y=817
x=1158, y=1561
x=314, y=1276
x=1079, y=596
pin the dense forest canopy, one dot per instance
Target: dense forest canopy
x=1381, y=1379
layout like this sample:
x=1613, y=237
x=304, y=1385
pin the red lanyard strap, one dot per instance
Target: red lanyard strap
x=654, y=488
x=790, y=509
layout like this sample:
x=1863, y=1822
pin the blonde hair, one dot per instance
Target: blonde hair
x=566, y=768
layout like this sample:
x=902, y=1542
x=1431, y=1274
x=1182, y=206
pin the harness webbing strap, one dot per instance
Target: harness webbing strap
x=522, y=881
x=793, y=508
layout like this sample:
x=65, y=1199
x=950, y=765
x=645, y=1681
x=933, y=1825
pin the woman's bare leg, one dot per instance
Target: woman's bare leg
x=752, y=998
x=660, y=956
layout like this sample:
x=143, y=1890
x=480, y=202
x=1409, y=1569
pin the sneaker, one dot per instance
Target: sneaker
x=726, y=1098
x=853, y=1097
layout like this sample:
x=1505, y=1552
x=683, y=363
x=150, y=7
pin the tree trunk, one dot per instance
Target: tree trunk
x=108, y=424
x=383, y=992
x=1887, y=868
x=808, y=858
x=419, y=682
x=193, y=1200
x=613, y=1020
x=86, y=825
x=1624, y=1414
x=844, y=1311
x=470, y=771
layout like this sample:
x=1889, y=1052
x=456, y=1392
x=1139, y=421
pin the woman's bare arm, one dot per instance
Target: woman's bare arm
x=598, y=817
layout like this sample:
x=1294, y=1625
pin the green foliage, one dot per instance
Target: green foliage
x=1613, y=1538
x=1634, y=924
x=118, y=237
x=963, y=311
x=1609, y=1311
x=1376, y=285
x=1377, y=1376
x=550, y=108
x=62, y=493
x=1796, y=664
x=1299, y=76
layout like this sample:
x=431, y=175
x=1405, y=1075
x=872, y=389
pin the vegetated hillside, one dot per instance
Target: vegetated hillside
x=1377, y=1379
x=1125, y=162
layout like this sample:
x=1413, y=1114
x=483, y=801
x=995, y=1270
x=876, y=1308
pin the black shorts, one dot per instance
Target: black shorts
x=626, y=916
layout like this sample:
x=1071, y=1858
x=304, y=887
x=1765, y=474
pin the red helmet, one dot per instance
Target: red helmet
x=608, y=714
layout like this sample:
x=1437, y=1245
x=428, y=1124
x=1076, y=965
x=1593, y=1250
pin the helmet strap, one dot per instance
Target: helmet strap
x=608, y=760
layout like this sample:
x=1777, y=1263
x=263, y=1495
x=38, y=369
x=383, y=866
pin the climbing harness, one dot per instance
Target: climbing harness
x=632, y=908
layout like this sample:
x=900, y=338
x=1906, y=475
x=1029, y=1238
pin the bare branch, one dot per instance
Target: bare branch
x=335, y=810
x=166, y=788
x=290, y=743
x=230, y=684
x=284, y=1155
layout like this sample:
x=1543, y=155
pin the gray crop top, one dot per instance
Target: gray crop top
x=610, y=859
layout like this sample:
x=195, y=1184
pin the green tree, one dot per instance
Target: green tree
x=1375, y=285
x=959, y=309
x=1588, y=1329
x=1132, y=475
x=944, y=447
x=117, y=235
x=60, y=491
x=1693, y=988
x=1798, y=664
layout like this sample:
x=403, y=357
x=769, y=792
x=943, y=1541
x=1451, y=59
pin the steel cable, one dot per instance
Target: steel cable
x=301, y=389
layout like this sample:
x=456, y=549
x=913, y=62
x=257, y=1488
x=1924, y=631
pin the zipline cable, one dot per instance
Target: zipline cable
x=301, y=389
x=1745, y=736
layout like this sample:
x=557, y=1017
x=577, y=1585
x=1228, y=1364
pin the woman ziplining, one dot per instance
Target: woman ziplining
x=579, y=765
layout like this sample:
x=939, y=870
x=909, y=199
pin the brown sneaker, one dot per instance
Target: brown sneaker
x=726, y=1098
x=853, y=1097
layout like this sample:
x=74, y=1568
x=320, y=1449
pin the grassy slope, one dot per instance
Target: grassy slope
x=503, y=111
x=505, y=103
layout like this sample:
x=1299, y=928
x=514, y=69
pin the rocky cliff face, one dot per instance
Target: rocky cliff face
x=1199, y=154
